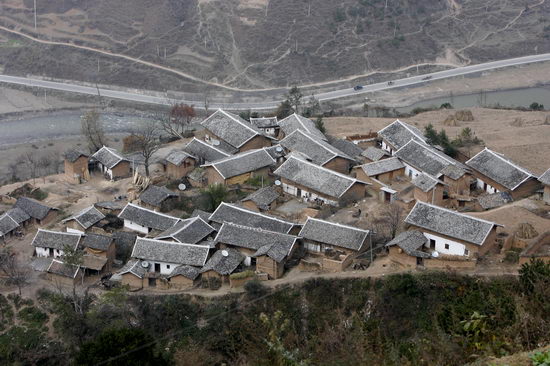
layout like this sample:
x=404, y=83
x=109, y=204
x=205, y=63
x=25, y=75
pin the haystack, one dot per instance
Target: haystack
x=465, y=115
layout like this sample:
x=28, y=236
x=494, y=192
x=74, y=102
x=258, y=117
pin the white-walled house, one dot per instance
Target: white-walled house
x=48, y=243
x=143, y=220
x=450, y=232
x=398, y=134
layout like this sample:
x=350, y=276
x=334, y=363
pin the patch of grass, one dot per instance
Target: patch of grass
x=33, y=317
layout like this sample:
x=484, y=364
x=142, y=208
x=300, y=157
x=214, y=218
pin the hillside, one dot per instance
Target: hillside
x=263, y=43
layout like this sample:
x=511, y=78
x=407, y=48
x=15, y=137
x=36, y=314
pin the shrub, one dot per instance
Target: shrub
x=33, y=317
x=255, y=288
x=541, y=358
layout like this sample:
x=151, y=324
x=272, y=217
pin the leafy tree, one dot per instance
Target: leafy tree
x=284, y=110
x=215, y=193
x=534, y=272
x=294, y=97
x=246, y=115
x=320, y=124
x=125, y=346
x=446, y=105
x=431, y=134
x=313, y=107
x=176, y=121
x=93, y=130
x=440, y=139
x=467, y=139
x=536, y=106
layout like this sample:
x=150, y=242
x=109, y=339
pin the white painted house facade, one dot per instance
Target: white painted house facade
x=445, y=246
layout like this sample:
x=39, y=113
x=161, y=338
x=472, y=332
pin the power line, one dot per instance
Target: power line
x=175, y=333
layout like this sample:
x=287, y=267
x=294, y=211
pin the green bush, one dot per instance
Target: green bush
x=541, y=358
x=255, y=288
x=32, y=316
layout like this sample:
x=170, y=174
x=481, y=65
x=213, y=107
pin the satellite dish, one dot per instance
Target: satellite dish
x=277, y=182
x=435, y=254
x=225, y=253
x=145, y=264
x=279, y=149
x=215, y=142
x=182, y=187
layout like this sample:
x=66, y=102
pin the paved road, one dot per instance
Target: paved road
x=157, y=98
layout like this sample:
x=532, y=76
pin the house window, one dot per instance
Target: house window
x=446, y=246
x=466, y=252
x=432, y=243
x=167, y=266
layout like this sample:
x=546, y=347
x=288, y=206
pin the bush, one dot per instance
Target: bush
x=255, y=288
x=541, y=358
x=33, y=317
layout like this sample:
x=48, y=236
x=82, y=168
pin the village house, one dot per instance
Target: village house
x=100, y=252
x=84, y=221
x=222, y=264
x=190, y=231
x=347, y=147
x=406, y=248
x=296, y=122
x=264, y=199
x=337, y=244
x=237, y=169
x=268, y=125
x=452, y=233
x=429, y=189
x=178, y=164
x=204, y=152
x=158, y=199
x=76, y=166
x=398, y=134
x=48, y=243
x=241, y=216
x=493, y=200
x=40, y=213
x=111, y=163
x=496, y=173
x=318, y=151
x=372, y=154
x=545, y=180
x=144, y=221
x=8, y=227
x=160, y=259
x=64, y=274
x=313, y=183
x=230, y=133
x=457, y=179
x=421, y=158
x=385, y=170
x=249, y=241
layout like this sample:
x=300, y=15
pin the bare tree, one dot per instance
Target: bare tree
x=44, y=164
x=16, y=273
x=93, y=130
x=176, y=121
x=146, y=140
x=206, y=99
x=13, y=169
x=30, y=160
x=392, y=217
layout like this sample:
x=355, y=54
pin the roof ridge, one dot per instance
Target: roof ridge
x=408, y=127
x=58, y=232
x=249, y=211
x=239, y=122
x=508, y=161
x=146, y=209
x=454, y=212
x=323, y=168
x=338, y=224
x=11, y=218
x=239, y=155
x=208, y=145
x=257, y=229
x=171, y=242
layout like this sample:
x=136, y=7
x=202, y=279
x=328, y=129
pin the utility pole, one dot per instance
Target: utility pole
x=34, y=14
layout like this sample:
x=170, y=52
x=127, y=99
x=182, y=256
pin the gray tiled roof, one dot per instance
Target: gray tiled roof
x=147, y=218
x=264, y=122
x=55, y=239
x=425, y=158
x=87, y=217
x=499, y=169
x=252, y=238
x=170, y=252
x=177, y=157
x=190, y=231
x=450, y=223
x=124, y=239
x=382, y=166
x=315, y=177
x=296, y=122
x=185, y=271
x=374, y=154
x=346, y=146
x=202, y=214
x=248, y=161
x=224, y=264
x=276, y=151
x=230, y=128
x=108, y=157
x=410, y=241
x=334, y=234
x=155, y=195
x=62, y=269
x=237, y=215
x=545, y=177
x=278, y=252
x=489, y=201
x=263, y=197
x=33, y=208
x=18, y=215
x=7, y=224
x=204, y=150
x=399, y=133
x=96, y=241
x=426, y=182
x=110, y=205
x=453, y=171
x=318, y=151
x=134, y=267
x=72, y=155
